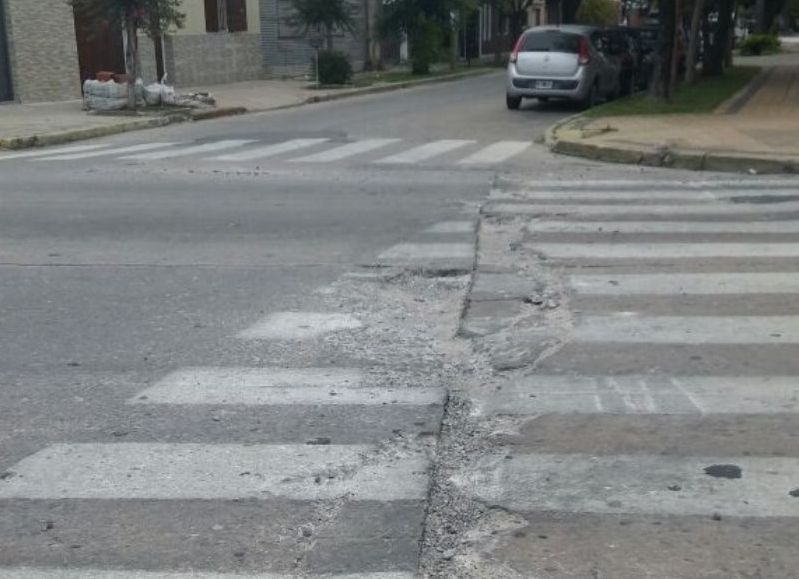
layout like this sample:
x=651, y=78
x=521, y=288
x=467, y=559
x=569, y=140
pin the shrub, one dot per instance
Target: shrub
x=334, y=67
x=757, y=44
x=425, y=43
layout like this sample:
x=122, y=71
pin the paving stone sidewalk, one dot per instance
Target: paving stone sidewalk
x=759, y=133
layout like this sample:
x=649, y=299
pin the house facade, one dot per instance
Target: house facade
x=219, y=42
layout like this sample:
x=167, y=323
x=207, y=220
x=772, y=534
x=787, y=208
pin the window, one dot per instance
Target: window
x=226, y=15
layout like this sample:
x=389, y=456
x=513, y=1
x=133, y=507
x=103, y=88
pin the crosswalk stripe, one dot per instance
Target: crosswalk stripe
x=635, y=484
x=346, y=151
x=224, y=471
x=270, y=150
x=666, y=250
x=42, y=573
x=280, y=386
x=647, y=394
x=628, y=209
x=643, y=195
x=412, y=251
x=640, y=329
x=107, y=152
x=683, y=227
x=299, y=325
x=42, y=152
x=452, y=227
x=496, y=153
x=617, y=184
x=185, y=152
x=686, y=284
x=426, y=151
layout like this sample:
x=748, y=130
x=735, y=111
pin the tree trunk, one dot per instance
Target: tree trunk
x=714, y=64
x=693, y=42
x=676, y=48
x=329, y=37
x=760, y=16
x=131, y=59
x=661, y=87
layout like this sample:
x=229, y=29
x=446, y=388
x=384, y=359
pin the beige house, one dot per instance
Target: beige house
x=219, y=42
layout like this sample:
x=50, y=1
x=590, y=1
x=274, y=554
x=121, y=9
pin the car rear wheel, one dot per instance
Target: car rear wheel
x=513, y=102
x=591, y=98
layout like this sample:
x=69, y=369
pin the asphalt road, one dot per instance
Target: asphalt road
x=155, y=417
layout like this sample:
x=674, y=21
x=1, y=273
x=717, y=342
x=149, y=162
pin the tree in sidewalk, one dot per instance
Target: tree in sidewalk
x=424, y=22
x=666, y=51
x=715, y=54
x=152, y=17
x=325, y=16
x=598, y=12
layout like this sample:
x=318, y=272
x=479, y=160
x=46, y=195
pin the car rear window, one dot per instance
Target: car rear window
x=552, y=41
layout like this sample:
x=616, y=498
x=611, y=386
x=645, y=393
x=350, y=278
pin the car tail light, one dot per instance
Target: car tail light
x=514, y=55
x=584, y=52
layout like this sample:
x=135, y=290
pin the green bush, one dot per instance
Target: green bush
x=757, y=44
x=425, y=44
x=334, y=67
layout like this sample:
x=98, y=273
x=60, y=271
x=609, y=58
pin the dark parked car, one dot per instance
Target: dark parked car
x=633, y=51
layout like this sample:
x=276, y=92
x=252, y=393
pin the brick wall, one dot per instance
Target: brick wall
x=43, y=52
x=204, y=59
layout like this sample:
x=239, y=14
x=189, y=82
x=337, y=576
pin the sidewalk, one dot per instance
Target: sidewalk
x=755, y=132
x=32, y=125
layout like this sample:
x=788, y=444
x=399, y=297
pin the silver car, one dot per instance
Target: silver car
x=561, y=62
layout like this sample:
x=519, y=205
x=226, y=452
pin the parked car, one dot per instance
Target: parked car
x=636, y=57
x=566, y=62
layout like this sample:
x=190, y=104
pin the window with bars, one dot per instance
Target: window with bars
x=226, y=15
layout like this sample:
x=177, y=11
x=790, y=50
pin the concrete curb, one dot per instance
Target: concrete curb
x=47, y=139
x=728, y=162
x=58, y=138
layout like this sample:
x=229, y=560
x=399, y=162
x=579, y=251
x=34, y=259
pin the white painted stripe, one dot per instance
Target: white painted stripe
x=42, y=152
x=41, y=573
x=300, y=325
x=637, y=329
x=425, y=152
x=496, y=153
x=642, y=395
x=686, y=284
x=642, y=195
x=627, y=209
x=422, y=251
x=215, y=471
x=616, y=184
x=195, y=150
x=666, y=250
x=636, y=484
x=682, y=227
x=452, y=227
x=346, y=151
x=270, y=150
x=280, y=386
x=108, y=152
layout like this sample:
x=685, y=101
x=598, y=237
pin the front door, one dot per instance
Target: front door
x=99, y=47
x=6, y=94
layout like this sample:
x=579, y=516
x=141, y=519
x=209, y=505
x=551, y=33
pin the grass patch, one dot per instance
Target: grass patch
x=703, y=97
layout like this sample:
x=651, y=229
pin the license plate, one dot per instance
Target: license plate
x=543, y=84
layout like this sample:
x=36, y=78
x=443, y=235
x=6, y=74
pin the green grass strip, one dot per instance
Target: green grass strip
x=703, y=97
